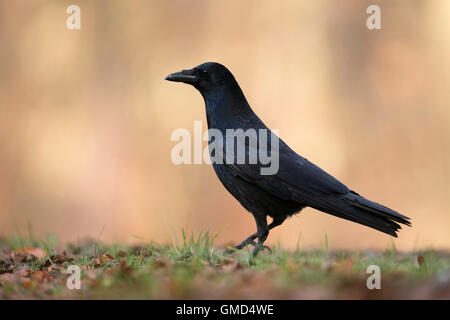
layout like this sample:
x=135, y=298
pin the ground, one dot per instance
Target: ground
x=196, y=269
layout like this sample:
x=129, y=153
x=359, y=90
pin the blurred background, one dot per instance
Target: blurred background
x=86, y=116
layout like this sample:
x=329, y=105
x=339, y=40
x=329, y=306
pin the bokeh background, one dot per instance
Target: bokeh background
x=86, y=116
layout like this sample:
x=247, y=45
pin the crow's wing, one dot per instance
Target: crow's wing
x=296, y=179
x=300, y=180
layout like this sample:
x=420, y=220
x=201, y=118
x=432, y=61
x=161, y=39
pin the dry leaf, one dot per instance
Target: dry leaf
x=26, y=282
x=124, y=267
x=40, y=275
x=420, y=260
x=6, y=278
x=46, y=264
x=344, y=266
x=23, y=272
x=106, y=258
x=122, y=253
x=37, y=252
x=233, y=266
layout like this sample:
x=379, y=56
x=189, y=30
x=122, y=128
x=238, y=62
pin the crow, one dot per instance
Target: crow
x=296, y=184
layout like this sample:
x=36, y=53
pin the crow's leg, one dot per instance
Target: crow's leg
x=262, y=231
x=246, y=242
x=249, y=241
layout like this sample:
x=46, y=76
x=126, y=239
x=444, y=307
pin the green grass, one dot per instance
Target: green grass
x=194, y=268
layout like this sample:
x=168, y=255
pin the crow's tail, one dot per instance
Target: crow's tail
x=358, y=209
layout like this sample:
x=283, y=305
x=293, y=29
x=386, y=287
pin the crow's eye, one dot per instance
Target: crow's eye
x=204, y=71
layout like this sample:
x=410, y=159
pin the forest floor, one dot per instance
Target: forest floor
x=196, y=269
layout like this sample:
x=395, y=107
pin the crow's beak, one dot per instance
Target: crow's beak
x=186, y=76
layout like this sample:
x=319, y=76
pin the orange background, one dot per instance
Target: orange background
x=86, y=116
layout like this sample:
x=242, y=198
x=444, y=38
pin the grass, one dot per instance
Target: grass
x=194, y=268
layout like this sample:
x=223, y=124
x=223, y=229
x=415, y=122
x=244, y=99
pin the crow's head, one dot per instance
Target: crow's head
x=206, y=77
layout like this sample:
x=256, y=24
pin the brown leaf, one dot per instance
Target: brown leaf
x=37, y=252
x=138, y=250
x=7, y=268
x=344, y=266
x=106, y=258
x=90, y=274
x=161, y=262
x=122, y=253
x=40, y=276
x=232, y=266
x=7, y=278
x=420, y=260
x=21, y=258
x=56, y=270
x=60, y=259
x=23, y=272
x=124, y=267
x=26, y=282
x=46, y=264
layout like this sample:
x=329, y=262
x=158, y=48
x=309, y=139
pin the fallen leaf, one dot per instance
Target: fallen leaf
x=344, y=266
x=46, y=264
x=233, y=266
x=6, y=278
x=23, y=272
x=106, y=258
x=26, y=282
x=124, y=267
x=37, y=252
x=122, y=253
x=420, y=260
x=137, y=250
x=40, y=275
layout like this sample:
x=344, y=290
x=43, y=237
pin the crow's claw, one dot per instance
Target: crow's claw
x=266, y=247
x=244, y=243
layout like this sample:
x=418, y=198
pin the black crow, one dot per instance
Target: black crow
x=296, y=184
